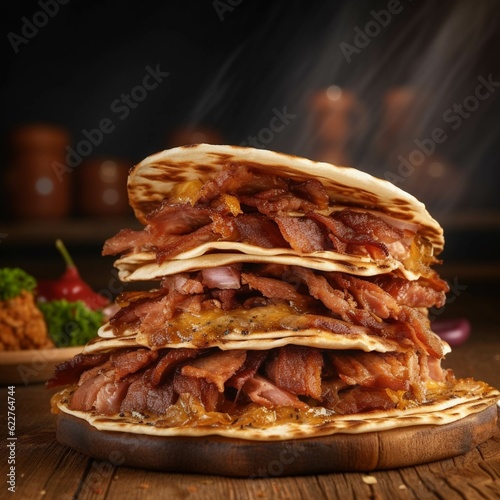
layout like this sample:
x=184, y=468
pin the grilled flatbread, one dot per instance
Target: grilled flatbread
x=211, y=200
x=154, y=178
x=465, y=398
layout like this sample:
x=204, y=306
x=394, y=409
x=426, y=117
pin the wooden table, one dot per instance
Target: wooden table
x=46, y=469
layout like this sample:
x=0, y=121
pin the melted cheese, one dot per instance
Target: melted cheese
x=215, y=323
x=186, y=192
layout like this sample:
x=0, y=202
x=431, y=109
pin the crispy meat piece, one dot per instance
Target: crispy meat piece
x=352, y=241
x=192, y=304
x=206, y=392
x=258, y=230
x=96, y=370
x=173, y=229
x=372, y=369
x=262, y=391
x=368, y=295
x=151, y=314
x=85, y=396
x=183, y=243
x=418, y=327
x=68, y=372
x=250, y=367
x=110, y=396
x=216, y=368
x=177, y=219
x=182, y=283
x=227, y=299
x=125, y=363
x=229, y=180
x=320, y=289
x=313, y=190
x=297, y=369
x=169, y=361
x=431, y=369
x=165, y=226
x=302, y=234
x=126, y=240
x=143, y=397
x=421, y=293
x=126, y=298
x=277, y=289
x=330, y=388
x=362, y=399
x=277, y=201
x=366, y=223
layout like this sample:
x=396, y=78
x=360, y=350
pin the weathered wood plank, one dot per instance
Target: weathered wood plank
x=64, y=482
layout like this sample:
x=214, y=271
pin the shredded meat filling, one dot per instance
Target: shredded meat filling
x=200, y=307
x=335, y=302
x=295, y=376
x=266, y=211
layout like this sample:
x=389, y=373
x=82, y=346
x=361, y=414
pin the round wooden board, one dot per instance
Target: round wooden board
x=241, y=458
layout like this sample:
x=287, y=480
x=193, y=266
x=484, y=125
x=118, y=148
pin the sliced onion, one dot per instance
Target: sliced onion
x=224, y=277
x=453, y=331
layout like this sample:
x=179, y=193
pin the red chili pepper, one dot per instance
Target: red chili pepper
x=70, y=285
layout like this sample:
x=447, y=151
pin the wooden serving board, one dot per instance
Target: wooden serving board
x=253, y=459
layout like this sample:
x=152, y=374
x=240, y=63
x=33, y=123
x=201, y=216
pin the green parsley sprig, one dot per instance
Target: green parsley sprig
x=70, y=323
x=13, y=281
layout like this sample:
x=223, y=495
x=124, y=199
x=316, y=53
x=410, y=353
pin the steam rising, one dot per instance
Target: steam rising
x=429, y=54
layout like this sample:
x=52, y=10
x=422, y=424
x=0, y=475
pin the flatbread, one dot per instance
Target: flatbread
x=258, y=341
x=153, y=178
x=143, y=266
x=465, y=398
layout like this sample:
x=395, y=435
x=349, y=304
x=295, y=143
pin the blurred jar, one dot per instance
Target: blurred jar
x=338, y=116
x=102, y=187
x=412, y=158
x=400, y=116
x=38, y=181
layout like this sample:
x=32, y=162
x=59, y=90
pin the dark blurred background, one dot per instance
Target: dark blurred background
x=408, y=91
